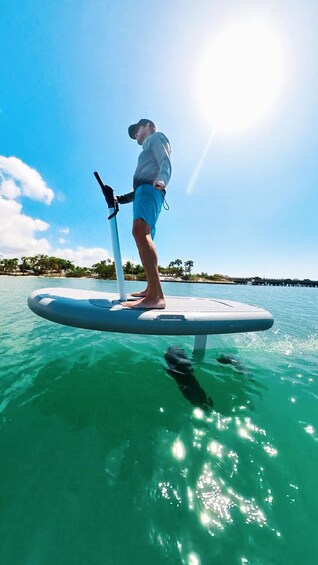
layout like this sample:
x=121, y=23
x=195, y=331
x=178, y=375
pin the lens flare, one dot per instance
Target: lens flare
x=240, y=76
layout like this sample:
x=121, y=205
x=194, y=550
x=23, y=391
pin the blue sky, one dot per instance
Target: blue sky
x=77, y=73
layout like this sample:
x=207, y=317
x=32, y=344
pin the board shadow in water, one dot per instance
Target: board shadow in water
x=180, y=368
x=234, y=388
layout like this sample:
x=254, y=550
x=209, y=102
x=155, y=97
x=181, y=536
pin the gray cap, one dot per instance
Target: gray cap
x=132, y=130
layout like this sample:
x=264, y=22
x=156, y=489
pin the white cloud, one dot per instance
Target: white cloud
x=9, y=189
x=82, y=256
x=22, y=180
x=17, y=231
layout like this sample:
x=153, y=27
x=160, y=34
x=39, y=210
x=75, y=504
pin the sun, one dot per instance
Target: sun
x=240, y=76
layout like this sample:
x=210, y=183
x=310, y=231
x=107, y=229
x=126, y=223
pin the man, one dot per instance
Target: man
x=150, y=181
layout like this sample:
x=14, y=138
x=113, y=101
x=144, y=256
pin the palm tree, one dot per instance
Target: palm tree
x=53, y=264
x=177, y=267
x=40, y=264
x=28, y=264
x=188, y=266
x=9, y=265
x=105, y=269
x=171, y=267
x=129, y=268
x=65, y=265
x=24, y=265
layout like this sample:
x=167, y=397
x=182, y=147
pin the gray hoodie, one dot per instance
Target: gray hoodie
x=153, y=164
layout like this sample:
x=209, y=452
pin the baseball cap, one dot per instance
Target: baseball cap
x=132, y=130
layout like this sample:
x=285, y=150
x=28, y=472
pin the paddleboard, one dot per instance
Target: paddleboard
x=182, y=316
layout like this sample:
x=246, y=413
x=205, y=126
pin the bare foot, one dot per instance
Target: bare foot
x=140, y=294
x=146, y=303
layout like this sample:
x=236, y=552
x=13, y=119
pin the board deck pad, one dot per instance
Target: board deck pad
x=103, y=311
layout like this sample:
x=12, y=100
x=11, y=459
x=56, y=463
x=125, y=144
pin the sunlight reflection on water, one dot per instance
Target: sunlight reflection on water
x=195, y=486
x=205, y=483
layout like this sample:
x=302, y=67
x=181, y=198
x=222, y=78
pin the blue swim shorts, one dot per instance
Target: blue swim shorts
x=147, y=205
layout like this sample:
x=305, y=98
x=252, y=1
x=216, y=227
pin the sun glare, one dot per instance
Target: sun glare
x=240, y=76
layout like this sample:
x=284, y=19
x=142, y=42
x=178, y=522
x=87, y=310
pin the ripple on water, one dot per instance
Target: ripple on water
x=197, y=486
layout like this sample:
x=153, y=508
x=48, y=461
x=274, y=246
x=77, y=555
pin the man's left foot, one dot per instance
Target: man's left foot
x=140, y=294
x=146, y=303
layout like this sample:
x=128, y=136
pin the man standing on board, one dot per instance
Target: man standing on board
x=150, y=180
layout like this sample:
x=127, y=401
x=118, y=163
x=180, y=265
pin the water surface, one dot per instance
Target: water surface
x=104, y=460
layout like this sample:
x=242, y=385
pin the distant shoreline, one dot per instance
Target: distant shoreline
x=162, y=279
x=236, y=281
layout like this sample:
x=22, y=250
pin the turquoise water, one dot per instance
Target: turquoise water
x=104, y=461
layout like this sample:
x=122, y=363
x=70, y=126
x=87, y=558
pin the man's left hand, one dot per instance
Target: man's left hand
x=159, y=184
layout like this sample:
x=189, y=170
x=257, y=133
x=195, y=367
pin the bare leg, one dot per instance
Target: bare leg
x=148, y=255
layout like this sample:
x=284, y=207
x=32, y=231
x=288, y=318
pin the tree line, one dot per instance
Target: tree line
x=44, y=265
